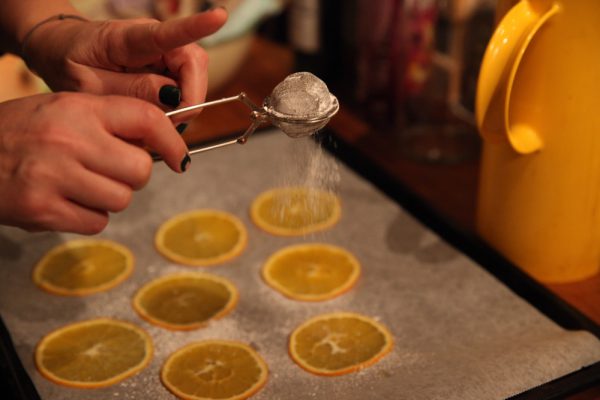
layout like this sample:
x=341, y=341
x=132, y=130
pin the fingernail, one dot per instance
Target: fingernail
x=185, y=163
x=181, y=127
x=170, y=95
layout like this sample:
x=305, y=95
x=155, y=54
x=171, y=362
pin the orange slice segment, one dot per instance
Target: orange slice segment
x=94, y=353
x=294, y=211
x=185, y=301
x=339, y=343
x=311, y=272
x=201, y=238
x=82, y=267
x=214, y=369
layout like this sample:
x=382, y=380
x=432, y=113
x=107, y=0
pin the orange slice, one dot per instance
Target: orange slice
x=185, y=301
x=339, y=343
x=82, y=267
x=214, y=369
x=201, y=238
x=94, y=353
x=311, y=272
x=294, y=211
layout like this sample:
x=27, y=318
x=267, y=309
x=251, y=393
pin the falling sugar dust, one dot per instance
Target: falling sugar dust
x=304, y=96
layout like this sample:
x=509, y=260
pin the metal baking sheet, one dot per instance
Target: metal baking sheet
x=459, y=333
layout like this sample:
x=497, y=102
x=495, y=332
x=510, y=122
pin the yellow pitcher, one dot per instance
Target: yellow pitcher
x=538, y=111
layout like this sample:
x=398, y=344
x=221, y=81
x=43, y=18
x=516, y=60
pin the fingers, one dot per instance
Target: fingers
x=189, y=64
x=67, y=196
x=95, y=191
x=129, y=164
x=133, y=119
x=142, y=43
x=139, y=57
x=145, y=86
x=81, y=220
x=68, y=173
x=67, y=216
x=43, y=189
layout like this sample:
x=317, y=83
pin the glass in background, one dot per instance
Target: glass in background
x=441, y=44
x=378, y=24
x=321, y=33
x=417, y=63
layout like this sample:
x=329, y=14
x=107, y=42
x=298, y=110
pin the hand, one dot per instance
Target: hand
x=68, y=159
x=127, y=57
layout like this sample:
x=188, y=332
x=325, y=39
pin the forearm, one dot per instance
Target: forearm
x=17, y=17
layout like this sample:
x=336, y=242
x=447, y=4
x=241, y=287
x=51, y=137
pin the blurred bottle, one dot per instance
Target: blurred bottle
x=378, y=29
x=305, y=36
x=442, y=46
x=321, y=33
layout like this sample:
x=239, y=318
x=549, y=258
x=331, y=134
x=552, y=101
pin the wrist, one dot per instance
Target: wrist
x=45, y=24
x=18, y=16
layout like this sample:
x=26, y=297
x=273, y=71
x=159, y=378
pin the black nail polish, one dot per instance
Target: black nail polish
x=170, y=95
x=185, y=163
x=181, y=127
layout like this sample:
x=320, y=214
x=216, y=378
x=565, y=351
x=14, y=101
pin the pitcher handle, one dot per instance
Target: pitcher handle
x=499, y=68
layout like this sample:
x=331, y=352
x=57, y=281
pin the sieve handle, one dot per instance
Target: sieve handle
x=258, y=117
x=240, y=97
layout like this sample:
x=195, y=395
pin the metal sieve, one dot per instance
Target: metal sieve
x=294, y=126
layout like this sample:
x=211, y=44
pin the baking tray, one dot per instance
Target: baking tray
x=471, y=245
x=461, y=331
x=487, y=258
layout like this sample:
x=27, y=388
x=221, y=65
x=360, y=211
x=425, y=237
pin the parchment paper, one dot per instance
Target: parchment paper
x=459, y=333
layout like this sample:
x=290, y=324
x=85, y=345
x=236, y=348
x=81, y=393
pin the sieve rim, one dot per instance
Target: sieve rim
x=290, y=119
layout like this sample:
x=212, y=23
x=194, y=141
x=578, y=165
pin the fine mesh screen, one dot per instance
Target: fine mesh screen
x=301, y=95
x=301, y=105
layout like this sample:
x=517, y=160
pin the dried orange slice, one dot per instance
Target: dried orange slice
x=185, y=301
x=311, y=272
x=214, y=369
x=294, y=211
x=94, y=353
x=82, y=267
x=201, y=238
x=339, y=343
